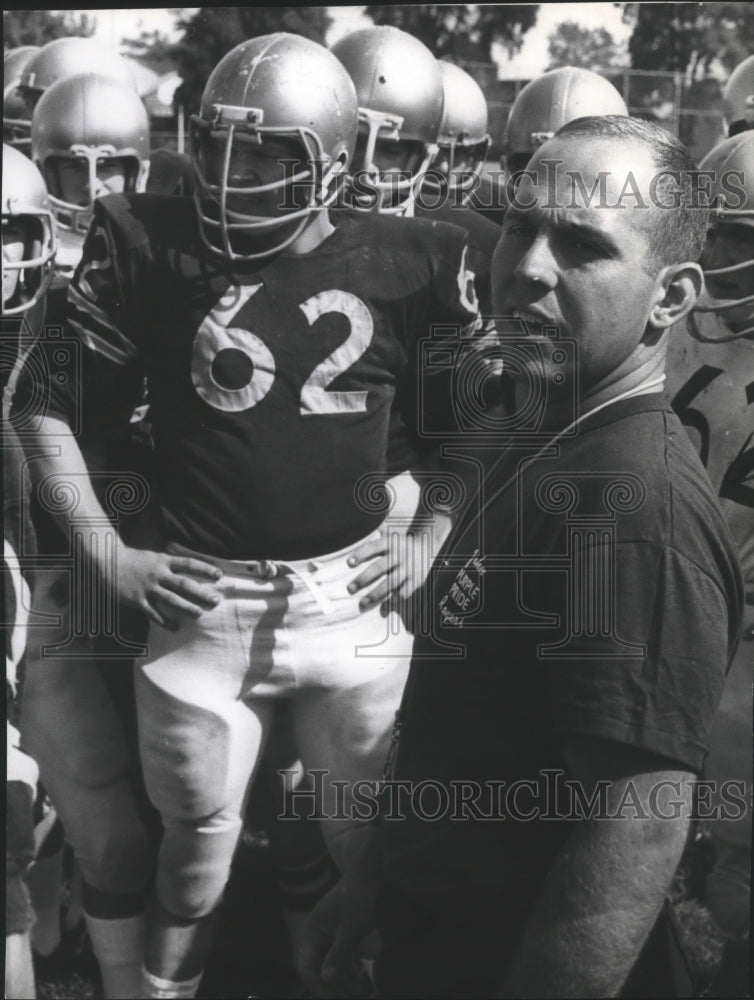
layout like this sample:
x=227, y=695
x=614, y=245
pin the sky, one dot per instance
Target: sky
x=113, y=25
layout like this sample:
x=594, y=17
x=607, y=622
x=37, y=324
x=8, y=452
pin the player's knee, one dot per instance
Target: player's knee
x=118, y=860
x=194, y=865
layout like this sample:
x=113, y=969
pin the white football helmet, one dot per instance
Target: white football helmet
x=26, y=208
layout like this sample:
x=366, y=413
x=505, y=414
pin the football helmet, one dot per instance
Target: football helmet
x=88, y=117
x=14, y=62
x=725, y=310
x=25, y=203
x=545, y=104
x=400, y=93
x=14, y=105
x=463, y=139
x=58, y=60
x=276, y=89
x=738, y=98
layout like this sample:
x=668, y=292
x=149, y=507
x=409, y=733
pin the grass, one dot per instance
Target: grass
x=251, y=955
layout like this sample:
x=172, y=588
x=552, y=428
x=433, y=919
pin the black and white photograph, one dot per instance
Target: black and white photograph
x=378, y=501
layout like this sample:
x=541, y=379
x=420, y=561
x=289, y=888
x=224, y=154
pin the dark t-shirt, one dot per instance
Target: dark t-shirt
x=598, y=594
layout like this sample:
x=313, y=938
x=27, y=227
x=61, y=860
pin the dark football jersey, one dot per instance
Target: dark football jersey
x=270, y=384
x=482, y=235
x=170, y=172
x=490, y=198
x=711, y=387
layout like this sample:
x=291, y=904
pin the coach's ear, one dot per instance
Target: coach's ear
x=678, y=288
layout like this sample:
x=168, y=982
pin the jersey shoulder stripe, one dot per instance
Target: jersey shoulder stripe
x=96, y=328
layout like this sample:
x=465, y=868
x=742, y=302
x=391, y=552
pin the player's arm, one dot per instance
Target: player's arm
x=608, y=883
x=416, y=529
x=167, y=588
x=98, y=396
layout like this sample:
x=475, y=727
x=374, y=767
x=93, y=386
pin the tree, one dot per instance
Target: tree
x=462, y=32
x=213, y=31
x=689, y=36
x=589, y=48
x=152, y=48
x=37, y=27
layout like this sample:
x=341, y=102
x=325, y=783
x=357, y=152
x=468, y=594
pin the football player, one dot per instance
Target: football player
x=400, y=93
x=738, y=98
x=77, y=715
x=57, y=60
x=29, y=237
x=463, y=139
x=454, y=175
x=28, y=253
x=711, y=385
x=89, y=136
x=275, y=340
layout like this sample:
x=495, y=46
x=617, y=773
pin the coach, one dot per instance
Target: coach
x=558, y=709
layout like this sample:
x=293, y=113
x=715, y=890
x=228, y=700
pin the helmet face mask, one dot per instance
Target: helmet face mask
x=28, y=233
x=74, y=181
x=728, y=264
x=270, y=145
x=400, y=96
x=259, y=179
x=725, y=309
x=388, y=171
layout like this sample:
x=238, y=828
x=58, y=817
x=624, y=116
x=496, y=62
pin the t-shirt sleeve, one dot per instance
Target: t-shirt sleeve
x=645, y=659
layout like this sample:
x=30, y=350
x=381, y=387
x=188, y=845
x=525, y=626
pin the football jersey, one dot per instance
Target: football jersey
x=711, y=387
x=483, y=236
x=490, y=198
x=170, y=172
x=271, y=383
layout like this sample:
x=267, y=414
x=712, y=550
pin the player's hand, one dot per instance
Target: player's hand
x=399, y=562
x=328, y=959
x=170, y=590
